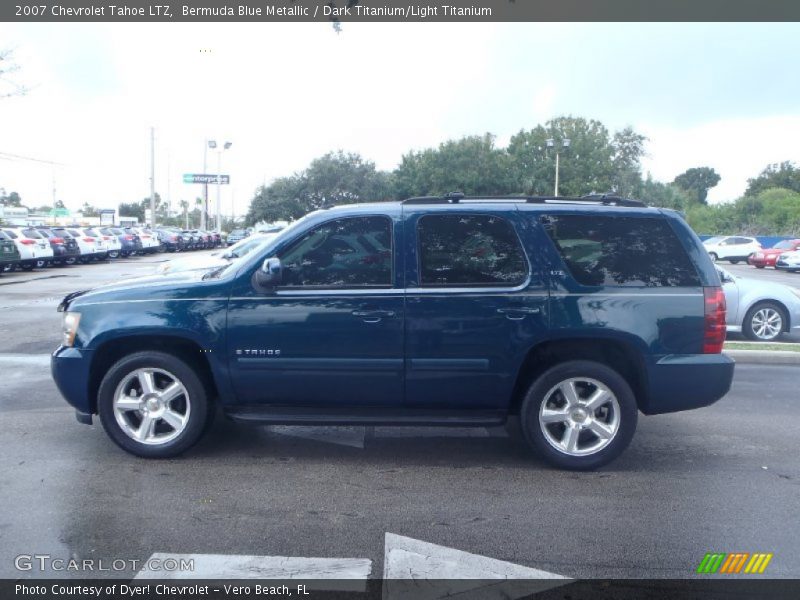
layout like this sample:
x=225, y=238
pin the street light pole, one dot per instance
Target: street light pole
x=225, y=146
x=205, y=186
x=152, y=177
x=551, y=143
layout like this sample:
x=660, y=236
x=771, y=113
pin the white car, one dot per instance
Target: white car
x=92, y=247
x=734, y=248
x=760, y=309
x=150, y=241
x=34, y=248
x=102, y=245
x=112, y=243
x=218, y=258
x=789, y=261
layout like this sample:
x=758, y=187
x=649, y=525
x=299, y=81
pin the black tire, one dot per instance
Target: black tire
x=759, y=266
x=113, y=254
x=542, y=389
x=713, y=256
x=734, y=261
x=70, y=261
x=747, y=324
x=27, y=266
x=198, y=420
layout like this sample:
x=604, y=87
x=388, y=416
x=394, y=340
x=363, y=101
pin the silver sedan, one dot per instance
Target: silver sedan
x=761, y=310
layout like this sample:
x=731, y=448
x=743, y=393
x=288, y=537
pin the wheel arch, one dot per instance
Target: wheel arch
x=787, y=320
x=112, y=350
x=620, y=355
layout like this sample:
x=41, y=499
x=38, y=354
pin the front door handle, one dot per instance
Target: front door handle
x=372, y=316
x=517, y=313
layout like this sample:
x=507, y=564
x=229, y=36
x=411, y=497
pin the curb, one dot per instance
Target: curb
x=764, y=357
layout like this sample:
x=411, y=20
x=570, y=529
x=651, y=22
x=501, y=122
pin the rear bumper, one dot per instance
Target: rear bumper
x=70, y=370
x=684, y=381
x=767, y=261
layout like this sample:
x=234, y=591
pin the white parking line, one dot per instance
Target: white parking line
x=25, y=359
x=353, y=572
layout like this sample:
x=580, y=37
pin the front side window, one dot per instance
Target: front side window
x=469, y=250
x=627, y=251
x=333, y=255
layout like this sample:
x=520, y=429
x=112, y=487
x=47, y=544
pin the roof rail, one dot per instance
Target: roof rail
x=456, y=197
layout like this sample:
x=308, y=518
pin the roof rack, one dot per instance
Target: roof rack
x=457, y=197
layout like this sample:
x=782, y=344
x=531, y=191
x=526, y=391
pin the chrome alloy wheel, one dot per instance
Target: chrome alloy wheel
x=579, y=416
x=767, y=323
x=151, y=406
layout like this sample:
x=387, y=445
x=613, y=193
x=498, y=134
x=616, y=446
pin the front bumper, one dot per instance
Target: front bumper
x=782, y=264
x=70, y=370
x=678, y=382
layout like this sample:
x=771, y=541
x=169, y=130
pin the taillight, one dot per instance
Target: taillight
x=57, y=240
x=129, y=237
x=173, y=238
x=27, y=242
x=88, y=239
x=105, y=237
x=714, y=333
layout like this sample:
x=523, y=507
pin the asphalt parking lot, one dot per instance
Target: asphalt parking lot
x=720, y=479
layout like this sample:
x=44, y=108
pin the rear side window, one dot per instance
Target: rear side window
x=11, y=234
x=627, y=251
x=469, y=250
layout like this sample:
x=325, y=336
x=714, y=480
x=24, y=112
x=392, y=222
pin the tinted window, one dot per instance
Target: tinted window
x=332, y=256
x=621, y=251
x=31, y=233
x=11, y=234
x=3, y=236
x=469, y=250
x=74, y=232
x=91, y=232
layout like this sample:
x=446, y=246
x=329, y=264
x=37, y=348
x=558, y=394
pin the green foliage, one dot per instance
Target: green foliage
x=471, y=165
x=89, y=211
x=586, y=167
x=133, y=210
x=779, y=175
x=665, y=195
x=697, y=181
x=12, y=199
x=775, y=211
x=336, y=178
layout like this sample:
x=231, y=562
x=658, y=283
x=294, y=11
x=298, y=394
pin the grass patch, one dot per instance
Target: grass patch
x=761, y=346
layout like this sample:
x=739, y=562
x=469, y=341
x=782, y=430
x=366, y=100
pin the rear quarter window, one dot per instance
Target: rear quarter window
x=621, y=251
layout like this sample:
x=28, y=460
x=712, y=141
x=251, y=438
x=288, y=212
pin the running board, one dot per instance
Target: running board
x=361, y=415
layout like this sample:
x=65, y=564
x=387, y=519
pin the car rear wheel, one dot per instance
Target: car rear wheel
x=579, y=415
x=113, y=254
x=764, y=322
x=734, y=261
x=28, y=266
x=153, y=405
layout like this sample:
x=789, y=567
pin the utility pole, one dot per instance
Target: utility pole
x=564, y=147
x=152, y=177
x=205, y=187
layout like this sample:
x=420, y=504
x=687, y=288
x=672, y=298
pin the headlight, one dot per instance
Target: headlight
x=70, y=327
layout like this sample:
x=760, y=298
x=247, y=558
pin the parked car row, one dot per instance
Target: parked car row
x=783, y=255
x=40, y=246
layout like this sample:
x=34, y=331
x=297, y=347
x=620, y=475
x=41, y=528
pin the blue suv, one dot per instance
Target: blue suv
x=571, y=314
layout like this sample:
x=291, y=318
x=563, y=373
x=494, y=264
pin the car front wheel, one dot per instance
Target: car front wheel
x=153, y=405
x=713, y=256
x=764, y=322
x=579, y=415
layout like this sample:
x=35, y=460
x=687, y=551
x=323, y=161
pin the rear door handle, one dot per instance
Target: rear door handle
x=519, y=312
x=372, y=316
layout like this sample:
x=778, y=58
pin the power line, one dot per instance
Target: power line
x=10, y=156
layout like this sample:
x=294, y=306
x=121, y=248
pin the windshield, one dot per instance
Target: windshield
x=784, y=245
x=714, y=240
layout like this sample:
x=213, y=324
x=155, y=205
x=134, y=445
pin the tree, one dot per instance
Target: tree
x=9, y=87
x=89, y=211
x=628, y=150
x=698, y=181
x=472, y=165
x=587, y=166
x=779, y=175
x=664, y=195
x=132, y=209
x=335, y=178
x=12, y=199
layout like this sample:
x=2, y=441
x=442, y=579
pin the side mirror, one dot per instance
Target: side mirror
x=270, y=272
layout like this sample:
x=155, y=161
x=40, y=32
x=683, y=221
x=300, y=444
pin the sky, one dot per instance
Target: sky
x=720, y=95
